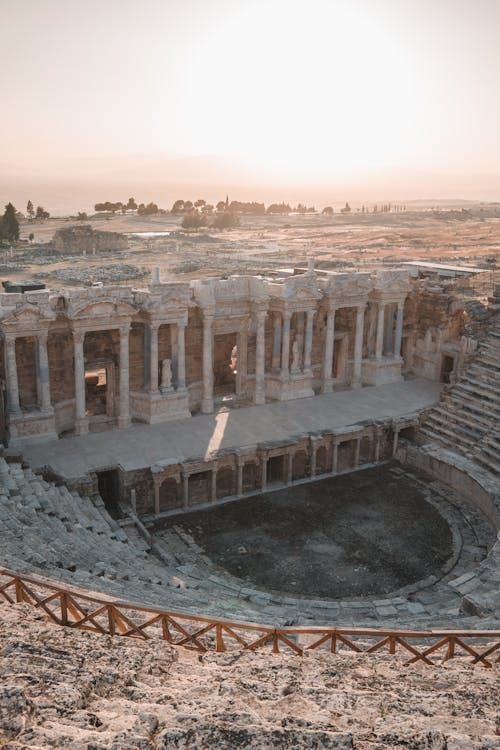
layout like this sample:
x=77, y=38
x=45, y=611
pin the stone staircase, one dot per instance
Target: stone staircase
x=467, y=419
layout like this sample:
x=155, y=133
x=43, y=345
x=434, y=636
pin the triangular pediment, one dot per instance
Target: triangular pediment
x=103, y=308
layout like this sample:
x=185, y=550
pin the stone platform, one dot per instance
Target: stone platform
x=140, y=446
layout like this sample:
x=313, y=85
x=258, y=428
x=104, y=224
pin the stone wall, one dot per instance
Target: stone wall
x=83, y=239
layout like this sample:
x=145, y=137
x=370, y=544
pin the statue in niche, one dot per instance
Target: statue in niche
x=295, y=356
x=166, y=375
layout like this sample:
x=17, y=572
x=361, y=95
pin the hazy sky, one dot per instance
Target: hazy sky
x=309, y=92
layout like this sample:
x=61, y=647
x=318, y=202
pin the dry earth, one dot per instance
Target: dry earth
x=265, y=243
x=79, y=691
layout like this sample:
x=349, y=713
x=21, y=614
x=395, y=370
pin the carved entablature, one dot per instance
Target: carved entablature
x=346, y=289
x=100, y=314
x=295, y=293
x=27, y=319
x=390, y=285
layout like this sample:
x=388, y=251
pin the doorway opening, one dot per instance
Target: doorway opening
x=225, y=365
x=275, y=470
x=109, y=489
x=447, y=366
x=96, y=392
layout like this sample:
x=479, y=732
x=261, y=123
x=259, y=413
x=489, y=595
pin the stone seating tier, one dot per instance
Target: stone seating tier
x=48, y=530
x=467, y=418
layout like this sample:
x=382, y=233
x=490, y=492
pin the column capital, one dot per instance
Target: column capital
x=42, y=336
x=124, y=329
x=78, y=336
x=287, y=315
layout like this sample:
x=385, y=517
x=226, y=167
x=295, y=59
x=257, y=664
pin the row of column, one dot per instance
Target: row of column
x=385, y=326
x=242, y=460
x=281, y=344
x=327, y=379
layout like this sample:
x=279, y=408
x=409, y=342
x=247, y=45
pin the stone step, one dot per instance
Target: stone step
x=489, y=463
x=453, y=437
x=470, y=414
x=470, y=423
x=476, y=388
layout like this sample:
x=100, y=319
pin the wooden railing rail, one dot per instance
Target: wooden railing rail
x=99, y=614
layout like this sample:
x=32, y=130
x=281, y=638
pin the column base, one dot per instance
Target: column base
x=81, y=427
x=123, y=422
x=327, y=386
x=259, y=398
x=207, y=406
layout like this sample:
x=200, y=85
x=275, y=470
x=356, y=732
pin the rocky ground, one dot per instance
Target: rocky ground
x=263, y=244
x=79, y=691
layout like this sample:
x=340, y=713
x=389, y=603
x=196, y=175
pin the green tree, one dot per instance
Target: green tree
x=31, y=236
x=328, y=211
x=41, y=213
x=131, y=205
x=178, y=207
x=30, y=210
x=194, y=220
x=10, y=224
x=226, y=220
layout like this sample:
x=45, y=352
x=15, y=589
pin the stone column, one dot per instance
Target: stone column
x=275, y=362
x=260, y=385
x=263, y=470
x=379, y=341
x=335, y=457
x=239, y=482
x=289, y=469
x=327, y=384
x=181, y=354
x=308, y=343
x=377, y=446
x=213, y=486
x=81, y=422
x=285, y=347
x=174, y=354
x=157, y=498
x=399, y=330
x=43, y=371
x=185, y=489
x=357, y=452
x=11, y=373
x=153, y=357
x=207, y=404
x=389, y=324
x=124, y=396
x=313, y=460
x=358, y=346
x=395, y=441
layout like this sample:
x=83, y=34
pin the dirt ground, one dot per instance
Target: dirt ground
x=364, y=534
x=263, y=244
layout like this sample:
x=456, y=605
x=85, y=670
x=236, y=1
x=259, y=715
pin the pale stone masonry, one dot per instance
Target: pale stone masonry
x=79, y=359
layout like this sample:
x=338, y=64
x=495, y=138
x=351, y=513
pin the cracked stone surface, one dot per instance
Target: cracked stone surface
x=61, y=688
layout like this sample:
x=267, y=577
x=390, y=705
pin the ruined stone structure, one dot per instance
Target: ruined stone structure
x=82, y=239
x=76, y=359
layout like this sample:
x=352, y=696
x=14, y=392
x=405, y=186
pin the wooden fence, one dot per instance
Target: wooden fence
x=75, y=609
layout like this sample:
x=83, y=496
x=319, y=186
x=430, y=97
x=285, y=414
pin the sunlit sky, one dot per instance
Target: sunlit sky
x=283, y=92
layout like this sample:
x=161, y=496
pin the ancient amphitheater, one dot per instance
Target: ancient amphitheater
x=259, y=469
